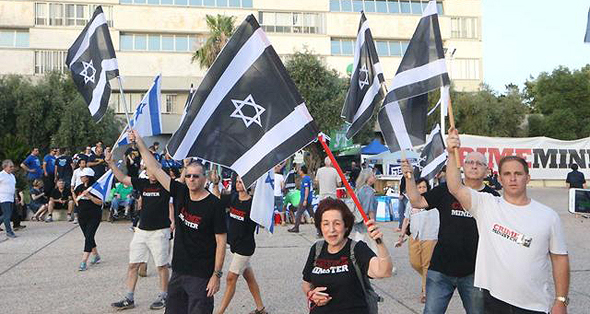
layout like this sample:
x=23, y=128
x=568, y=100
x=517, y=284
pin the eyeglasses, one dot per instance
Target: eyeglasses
x=475, y=162
x=194, y=175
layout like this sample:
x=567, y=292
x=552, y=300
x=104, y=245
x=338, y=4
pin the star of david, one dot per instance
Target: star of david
x=84, y=73
x=140, y=108
x=270, y=180
x=363, y=82
x=249, y=101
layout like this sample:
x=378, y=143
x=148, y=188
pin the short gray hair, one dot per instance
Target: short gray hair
x=327, y=161
x=7, y=163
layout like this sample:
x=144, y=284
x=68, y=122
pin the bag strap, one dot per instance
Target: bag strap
x=356, y=266
x=318, y=249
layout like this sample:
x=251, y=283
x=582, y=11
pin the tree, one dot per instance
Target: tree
x=221, y=27
x=562, y=98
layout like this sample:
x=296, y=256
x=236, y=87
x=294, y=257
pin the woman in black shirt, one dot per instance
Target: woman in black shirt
x=330, y=281
x=89, y=216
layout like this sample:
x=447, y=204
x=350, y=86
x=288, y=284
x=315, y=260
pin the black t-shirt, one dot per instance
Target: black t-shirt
x=575, y=179
x=240, y=234
x=354, y=173
x=41, y=200
x=197, y=223
x=99, y=169
x=336, y=272
x=64, y=195
x=456, y=248
x=132, y=168
x=63, y=165
x=85, y=204
x=155, y=202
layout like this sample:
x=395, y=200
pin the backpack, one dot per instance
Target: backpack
x=371, y=297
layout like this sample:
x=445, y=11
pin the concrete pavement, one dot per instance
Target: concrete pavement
x=38, y=270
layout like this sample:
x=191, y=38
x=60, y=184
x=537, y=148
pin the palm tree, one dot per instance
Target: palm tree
x=221, y=27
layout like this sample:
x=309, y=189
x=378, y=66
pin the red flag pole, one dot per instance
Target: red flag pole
x=344, y=181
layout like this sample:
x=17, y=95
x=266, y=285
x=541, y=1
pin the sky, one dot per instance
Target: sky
x=526, y=37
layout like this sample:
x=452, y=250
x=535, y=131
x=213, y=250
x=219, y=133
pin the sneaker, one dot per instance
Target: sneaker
x=293, y=230
x=159, y=304
x=70, y=218
x=263, y=311
x=49, y=219
x=132, y=229
x=83, y=267
x=95, y=259
x=75, y=221
x=124, y=304
x=11, y=235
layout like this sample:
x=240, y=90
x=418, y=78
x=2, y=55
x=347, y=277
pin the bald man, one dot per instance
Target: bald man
x=327, y=180
x=453, y=261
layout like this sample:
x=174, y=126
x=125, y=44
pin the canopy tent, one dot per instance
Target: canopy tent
x=374, y=148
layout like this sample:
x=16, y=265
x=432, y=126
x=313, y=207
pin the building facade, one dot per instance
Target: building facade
x=160, y=36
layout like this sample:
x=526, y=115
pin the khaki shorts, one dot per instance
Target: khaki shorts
x=239, y=263
x=156, y=242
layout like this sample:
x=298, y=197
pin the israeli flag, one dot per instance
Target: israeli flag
x=263, y=200
x=147, y=119
x=102, y=186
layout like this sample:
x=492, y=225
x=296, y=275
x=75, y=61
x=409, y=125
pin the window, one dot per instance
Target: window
x=158, y=42
x=385, y=48
x=14, y=38
x=342, y=46
x=69, y=14
x=465, y=69
x=382, y=6
x=465, y=27
x=169, y=104
x=291, y=22
x=194, y=3
x=50, y=60
x=132, y=99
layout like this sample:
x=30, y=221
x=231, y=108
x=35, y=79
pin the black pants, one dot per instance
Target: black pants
x=48, y=183
x=89, y=220
x=494, y=306
x=17, y=216
x=300, y=211
x=188, y=294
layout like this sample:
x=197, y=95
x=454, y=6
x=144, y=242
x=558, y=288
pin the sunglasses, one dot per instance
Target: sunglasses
x=194, y=175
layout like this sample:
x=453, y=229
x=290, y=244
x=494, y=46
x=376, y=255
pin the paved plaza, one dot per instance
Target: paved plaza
x=38, y=270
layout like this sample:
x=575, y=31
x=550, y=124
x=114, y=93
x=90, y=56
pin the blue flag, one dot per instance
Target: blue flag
x=147, y=119
x=102, y=186
x=263, y=207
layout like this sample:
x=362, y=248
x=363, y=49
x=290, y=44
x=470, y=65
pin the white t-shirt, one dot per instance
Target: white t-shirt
x=279, y=179
x=424, y=224
x=513, y=260
x=76, y=178
x=328, y=180
x=7, y=186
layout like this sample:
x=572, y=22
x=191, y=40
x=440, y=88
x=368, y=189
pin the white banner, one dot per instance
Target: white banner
x=548, y=159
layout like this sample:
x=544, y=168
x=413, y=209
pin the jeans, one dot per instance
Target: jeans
x=401, y=209
x=300, y=211
x=116, y=202
x=7, y=208
x=440, y=289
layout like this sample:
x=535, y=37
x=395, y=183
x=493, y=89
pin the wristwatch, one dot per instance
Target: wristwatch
x=564, y=300
x=218, y=273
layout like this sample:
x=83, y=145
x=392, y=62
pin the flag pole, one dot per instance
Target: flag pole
x=124, y=101
x=452, y=125
x=344, y=181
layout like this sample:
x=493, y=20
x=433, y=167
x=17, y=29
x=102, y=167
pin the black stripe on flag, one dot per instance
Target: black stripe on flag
x=403, y=123
x=93, y=63
x=423, y=67
x=247, y=113
x=365, y=90
x=434, y=155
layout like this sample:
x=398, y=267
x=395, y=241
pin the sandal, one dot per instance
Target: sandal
x=263, y=311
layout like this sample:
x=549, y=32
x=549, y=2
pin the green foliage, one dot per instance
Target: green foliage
x=562, y=98
x=221, y=27
x=14, y=148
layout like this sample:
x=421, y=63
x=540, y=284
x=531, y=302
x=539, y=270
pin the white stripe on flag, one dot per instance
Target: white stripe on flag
x=445, y=98
x=360, y=41
x=97, y=22
x=243, y=60
x=368, y=99
x=433, y=164
x=396, y=119
x=274, y=137
x=418, y=74
x=107, y=65
x=430, y=9
x=433, y=108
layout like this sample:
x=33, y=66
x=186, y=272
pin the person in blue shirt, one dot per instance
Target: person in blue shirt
x=49, y=170
x=32, y=166
x=306, y=198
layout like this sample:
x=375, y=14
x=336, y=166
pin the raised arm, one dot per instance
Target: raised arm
x=456, y=187
x=125, y=179
x=151, y=164
x=416, y=199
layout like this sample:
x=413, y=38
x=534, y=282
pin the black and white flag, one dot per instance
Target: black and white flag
x=421, y=70
x=247, y=113
x=365, y=90
x=93, y=63
x=434, y=154
x=403, y=123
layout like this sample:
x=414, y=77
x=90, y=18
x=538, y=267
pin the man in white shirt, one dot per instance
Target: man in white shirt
x=327, y=180
x=279, y=186
x=520, y=241
x=7, y=190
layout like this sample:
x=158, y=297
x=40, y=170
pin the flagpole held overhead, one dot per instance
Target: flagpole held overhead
x=124, y=101
x=349, y=189
x=452, y=125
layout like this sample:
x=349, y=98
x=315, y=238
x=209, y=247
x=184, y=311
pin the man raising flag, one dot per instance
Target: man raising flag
x=365, y=90
x=93, y=63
